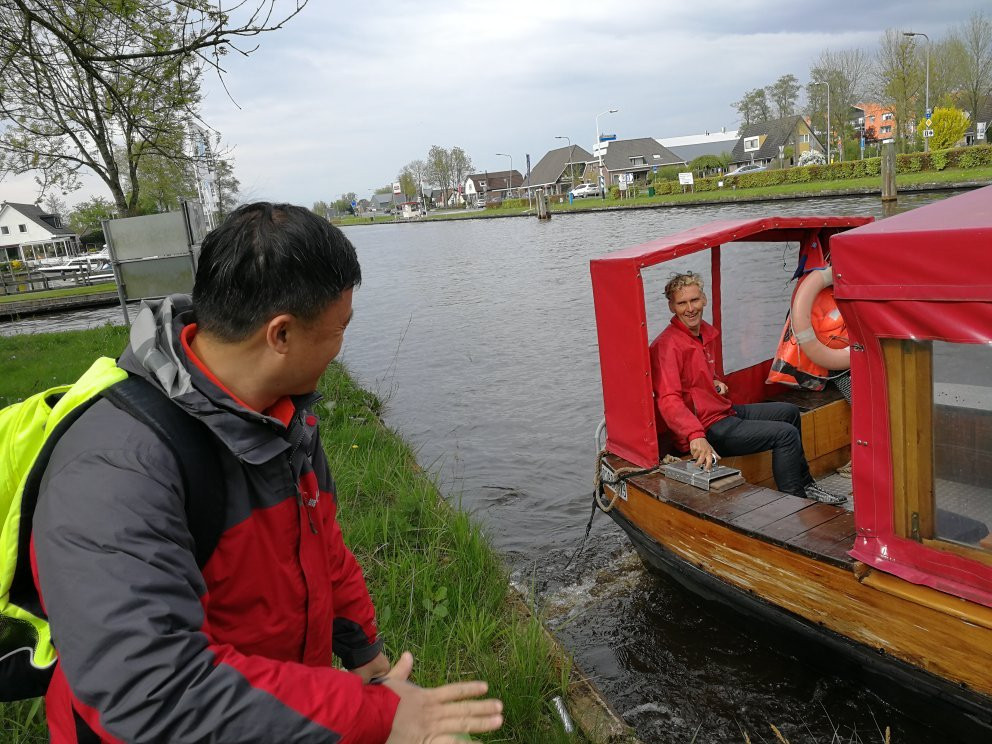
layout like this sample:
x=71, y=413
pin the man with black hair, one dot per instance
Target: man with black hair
x=155, y=647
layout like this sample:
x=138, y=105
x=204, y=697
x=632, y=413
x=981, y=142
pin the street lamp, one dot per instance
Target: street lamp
x=823, y=82
x=926, y=140
x=599, y=149
x=509, y=178
x=571, y=168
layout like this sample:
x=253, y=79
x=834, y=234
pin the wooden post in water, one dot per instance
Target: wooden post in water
x=889, y=172
x=543, y=211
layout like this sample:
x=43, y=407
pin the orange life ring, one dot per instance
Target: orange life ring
x=817, y=324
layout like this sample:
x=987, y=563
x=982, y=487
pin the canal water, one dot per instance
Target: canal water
x=480, y=337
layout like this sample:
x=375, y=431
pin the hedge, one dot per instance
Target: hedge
x=975, y=156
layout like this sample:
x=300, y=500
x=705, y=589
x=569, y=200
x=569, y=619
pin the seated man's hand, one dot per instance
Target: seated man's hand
x=704, y=454
x=721, y=387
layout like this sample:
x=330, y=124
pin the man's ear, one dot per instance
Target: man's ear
x=278, y=332
x=705, y=300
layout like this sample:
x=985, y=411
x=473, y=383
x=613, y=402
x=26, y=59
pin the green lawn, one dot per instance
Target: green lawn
x=66, y=292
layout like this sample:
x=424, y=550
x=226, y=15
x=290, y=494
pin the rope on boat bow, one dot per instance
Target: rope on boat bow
x=620, y=475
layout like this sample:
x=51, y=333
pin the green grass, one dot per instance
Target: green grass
x=67, y=292
x=440, y=590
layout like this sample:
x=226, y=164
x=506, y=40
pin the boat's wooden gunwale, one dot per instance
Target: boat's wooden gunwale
x=747, y=509
x=821, y=591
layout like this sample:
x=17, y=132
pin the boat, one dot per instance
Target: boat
x=900, y=579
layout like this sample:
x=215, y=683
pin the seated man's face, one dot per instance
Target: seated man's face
x=688, y=304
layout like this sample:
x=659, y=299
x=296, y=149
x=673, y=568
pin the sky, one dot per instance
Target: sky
x=346, y=94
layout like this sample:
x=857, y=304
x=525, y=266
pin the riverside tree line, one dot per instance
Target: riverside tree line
x=113, y=89
x=894, y=75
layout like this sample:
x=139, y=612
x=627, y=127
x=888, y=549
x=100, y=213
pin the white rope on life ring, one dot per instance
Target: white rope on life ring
x=802, y=326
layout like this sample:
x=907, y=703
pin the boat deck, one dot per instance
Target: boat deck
x=809, y=527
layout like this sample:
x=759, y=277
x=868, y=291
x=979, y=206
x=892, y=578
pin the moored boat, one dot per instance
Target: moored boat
x=901, y=583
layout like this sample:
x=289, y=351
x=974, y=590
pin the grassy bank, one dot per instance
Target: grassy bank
x=48, y=294
x=440, y=590
x=836, y=187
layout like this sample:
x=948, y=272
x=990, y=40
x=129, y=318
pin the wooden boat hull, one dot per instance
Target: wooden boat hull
x=921, y=639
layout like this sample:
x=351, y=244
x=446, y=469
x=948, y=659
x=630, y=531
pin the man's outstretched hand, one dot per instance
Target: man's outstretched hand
x=703, y=453
x=438, y=715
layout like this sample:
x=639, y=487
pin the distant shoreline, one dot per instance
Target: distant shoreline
x=728, y=197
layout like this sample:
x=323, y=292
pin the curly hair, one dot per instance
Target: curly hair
x=681, y=281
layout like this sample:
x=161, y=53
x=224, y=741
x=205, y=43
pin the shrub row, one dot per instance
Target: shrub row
x=963, y=157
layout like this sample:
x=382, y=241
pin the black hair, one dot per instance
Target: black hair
x=267, y=259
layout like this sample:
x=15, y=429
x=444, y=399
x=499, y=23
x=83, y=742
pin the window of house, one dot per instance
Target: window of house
x=804, y=138
x=872, y=118
x=5, y=230
x=940, y=414
x=638, y=160
x=751, y=143
x=888, y=117
x=22, y=228
x=886, y=130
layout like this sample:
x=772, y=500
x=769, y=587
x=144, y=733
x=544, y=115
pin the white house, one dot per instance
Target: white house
x=28, y=233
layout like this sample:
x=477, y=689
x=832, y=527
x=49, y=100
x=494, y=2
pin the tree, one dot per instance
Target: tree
x=228, y=188
x=900, y=79
x=54, y=204
x=461, y=166
x=753, y=107
x=975, y=39
x=321, y=209
x=84, y=82
x=439, y=169
x=784, y=93
x=343, y=204
x=948, y=125
x=848, y=74
x=85, y=220
x=408, y=183
x=163, y=181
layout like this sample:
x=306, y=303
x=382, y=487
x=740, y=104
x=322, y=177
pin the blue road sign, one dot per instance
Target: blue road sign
x=607, y=137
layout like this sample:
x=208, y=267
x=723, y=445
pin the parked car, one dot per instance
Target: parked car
x=752, y=168
x=585, y=189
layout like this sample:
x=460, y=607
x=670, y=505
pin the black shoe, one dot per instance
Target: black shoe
x=816, y=493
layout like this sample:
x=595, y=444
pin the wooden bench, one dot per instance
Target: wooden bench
x=826, y=425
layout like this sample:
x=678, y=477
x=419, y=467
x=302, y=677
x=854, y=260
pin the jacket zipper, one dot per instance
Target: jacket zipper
x=307, y=504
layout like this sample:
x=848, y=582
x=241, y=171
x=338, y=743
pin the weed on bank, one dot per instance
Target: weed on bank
x=439, y=589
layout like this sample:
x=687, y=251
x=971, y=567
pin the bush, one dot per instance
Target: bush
x=811, y=157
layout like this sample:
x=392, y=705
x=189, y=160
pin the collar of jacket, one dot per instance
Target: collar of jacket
x=706, y=331
x=155, y=352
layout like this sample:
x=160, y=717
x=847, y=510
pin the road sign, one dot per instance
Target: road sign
x=607, y=137
x=685, y=179
x=654, y=168
x=928, y=133
x=929, y=123
x=929, y=116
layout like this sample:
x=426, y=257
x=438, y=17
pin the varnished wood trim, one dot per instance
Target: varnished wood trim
x=974, y=554
x=930, y=598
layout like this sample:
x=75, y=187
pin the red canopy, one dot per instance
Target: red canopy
x=621, y=322
x=922, y=275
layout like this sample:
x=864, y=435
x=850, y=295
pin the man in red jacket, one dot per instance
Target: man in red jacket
x=695, y=406
x=154, y=647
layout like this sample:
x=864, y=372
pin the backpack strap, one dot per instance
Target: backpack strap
x=191, y=443
x=193, y=446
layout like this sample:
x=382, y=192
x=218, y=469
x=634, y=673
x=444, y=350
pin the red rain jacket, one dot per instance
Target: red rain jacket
x=683, y=369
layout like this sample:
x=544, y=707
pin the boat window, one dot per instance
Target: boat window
x=754, y=310
x=656, y=277
x=940, y=417
x=962, y=426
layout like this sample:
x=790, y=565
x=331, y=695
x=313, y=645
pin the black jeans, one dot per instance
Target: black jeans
x=762, y=426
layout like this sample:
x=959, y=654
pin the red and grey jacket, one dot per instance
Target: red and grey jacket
x=683, y=368
x=152, y=648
